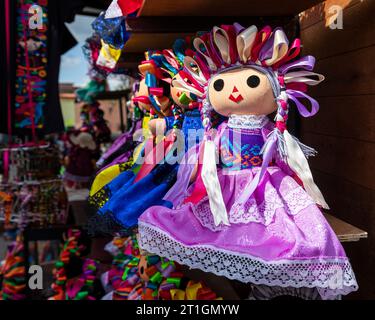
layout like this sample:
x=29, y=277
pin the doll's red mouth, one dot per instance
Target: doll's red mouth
x=235, y=96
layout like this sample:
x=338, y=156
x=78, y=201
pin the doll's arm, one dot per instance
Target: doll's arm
x=194, y=173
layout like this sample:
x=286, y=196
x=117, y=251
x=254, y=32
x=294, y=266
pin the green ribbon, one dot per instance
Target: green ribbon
x=175, y=281
x=125, y=274
x=157, y=277
x=184, y=99
x=81, y=295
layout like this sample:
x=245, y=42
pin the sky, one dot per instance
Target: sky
x=74, y=67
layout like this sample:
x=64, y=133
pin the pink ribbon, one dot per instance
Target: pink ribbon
x=262, y=36
x=231, y=31
x=293, y=52
x=156, y=91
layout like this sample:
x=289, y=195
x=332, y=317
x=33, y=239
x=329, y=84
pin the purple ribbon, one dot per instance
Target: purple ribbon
x=295, y=95
x=306, y=63
x=213, y=51
x=238, y=28
x=267, y=50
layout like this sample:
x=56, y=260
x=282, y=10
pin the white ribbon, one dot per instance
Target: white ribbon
x=212, y=184
x=194, y=70
x=221, y=40
x=113, y=11
x=298, y=163
x=280, y=47
x=245, y=42
x=181, y=85
x=197, y=43
x=304, y=77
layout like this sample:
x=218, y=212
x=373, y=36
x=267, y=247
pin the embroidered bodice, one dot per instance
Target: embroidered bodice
x=192, y=128
x=241, y=142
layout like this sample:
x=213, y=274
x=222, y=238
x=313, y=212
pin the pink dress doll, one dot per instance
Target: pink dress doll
x=255, y=217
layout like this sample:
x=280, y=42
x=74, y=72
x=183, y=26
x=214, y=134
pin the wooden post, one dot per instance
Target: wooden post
x=121, y=115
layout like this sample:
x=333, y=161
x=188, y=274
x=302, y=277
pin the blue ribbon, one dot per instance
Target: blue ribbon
x=150, y=81
x=179, y=50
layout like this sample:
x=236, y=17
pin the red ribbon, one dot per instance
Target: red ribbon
x=129, y=6
x=142, y=99
x=156, y=91
x=260, y=39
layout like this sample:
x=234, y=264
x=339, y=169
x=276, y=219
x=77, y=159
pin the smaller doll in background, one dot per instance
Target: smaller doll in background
x=80, y=160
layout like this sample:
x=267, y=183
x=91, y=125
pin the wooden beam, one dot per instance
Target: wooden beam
x=225, y=7
x=130, y=57
x=128, y=65
x=99, y=4
x=175, y=24
x=156, y=33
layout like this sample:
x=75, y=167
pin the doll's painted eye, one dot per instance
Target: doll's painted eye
x=219, y=84
x=253, y=81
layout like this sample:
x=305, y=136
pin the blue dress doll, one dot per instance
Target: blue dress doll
x=128, y=195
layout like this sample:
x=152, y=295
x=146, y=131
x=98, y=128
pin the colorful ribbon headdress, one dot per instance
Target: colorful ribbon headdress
x=231, y=46
x=151, y=72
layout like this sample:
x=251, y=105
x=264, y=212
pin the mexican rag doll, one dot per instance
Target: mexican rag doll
x=255, y=214
x=153, y=98
x=147, y=185
x=100, y=190
x=120, y=154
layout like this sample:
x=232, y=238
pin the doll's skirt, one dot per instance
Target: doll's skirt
x=133, y=198
x=278, y=238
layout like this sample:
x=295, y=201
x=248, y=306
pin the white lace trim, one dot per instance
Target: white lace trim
x=332, y=277
x=247, y=121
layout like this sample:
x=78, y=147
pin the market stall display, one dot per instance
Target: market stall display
x=33, y=193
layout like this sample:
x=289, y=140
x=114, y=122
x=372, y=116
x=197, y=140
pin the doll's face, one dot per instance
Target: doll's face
x=242, y=92
x=142, y=267
x=143, y=91
x=163, y=101
x=176, y=93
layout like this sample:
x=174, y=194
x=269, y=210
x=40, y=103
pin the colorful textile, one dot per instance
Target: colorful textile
x=31, y=61
x=13, y=274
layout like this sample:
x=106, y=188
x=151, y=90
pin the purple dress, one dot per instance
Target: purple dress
x=279, y=241
x=121, y=149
